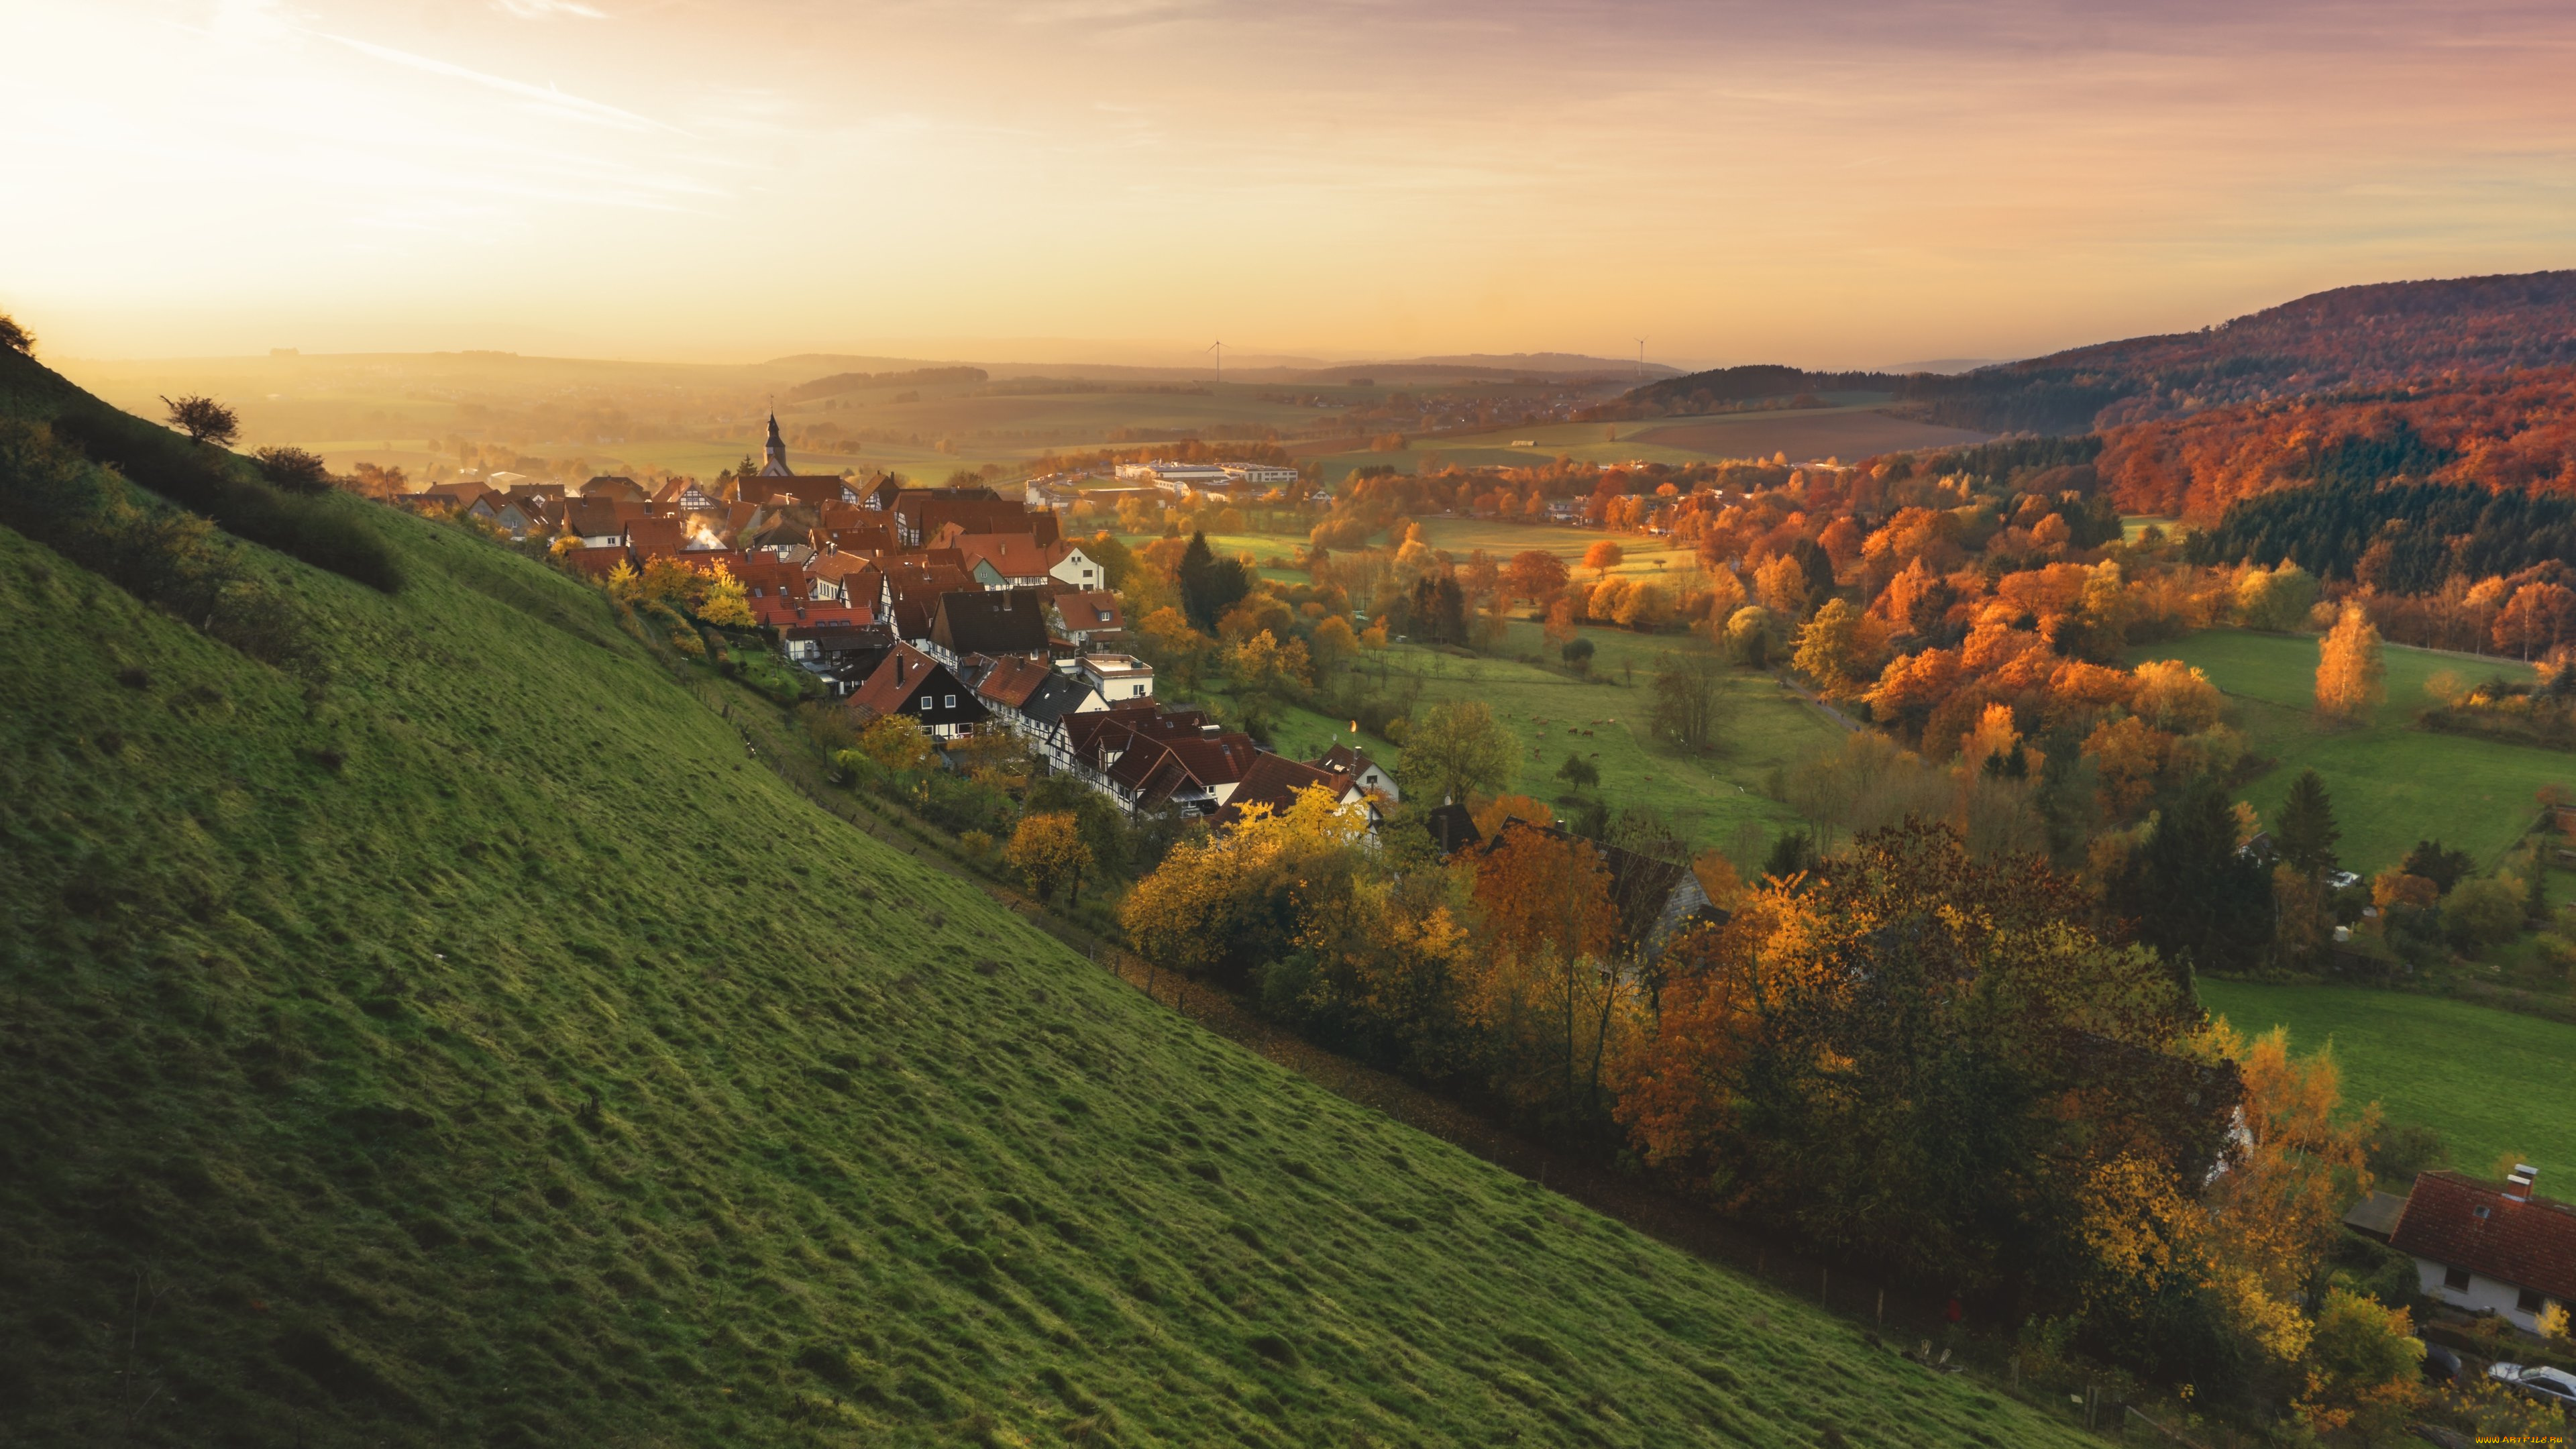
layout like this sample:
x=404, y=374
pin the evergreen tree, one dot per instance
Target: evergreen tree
x=1790, y=854
x=2442, y=867
x=2195, y=899
x=2306, y=833
x=1197, y=561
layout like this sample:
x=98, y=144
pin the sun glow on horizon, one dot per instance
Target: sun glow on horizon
x=1850, y=184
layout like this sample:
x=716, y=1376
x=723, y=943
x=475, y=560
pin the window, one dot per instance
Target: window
x=948, y=701
x=2530, y=1301
x=2456, y=1279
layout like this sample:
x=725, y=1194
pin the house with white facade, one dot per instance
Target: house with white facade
x=2488, y=1249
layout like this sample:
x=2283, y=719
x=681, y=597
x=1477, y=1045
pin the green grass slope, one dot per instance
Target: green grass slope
x=477, y=1049
x=2392, y=784
x=2489, y=1081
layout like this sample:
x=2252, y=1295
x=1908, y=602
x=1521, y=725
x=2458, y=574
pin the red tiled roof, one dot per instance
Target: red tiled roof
x=781, y=613
x=816, y=489
x=653, y=537
x=2462, y=1223
x=1156, y=768
x=1012, y=555
x=1274, y=780
x=599, y=562
x=1082, y=612
x=1104, y=732
x=1012, y=681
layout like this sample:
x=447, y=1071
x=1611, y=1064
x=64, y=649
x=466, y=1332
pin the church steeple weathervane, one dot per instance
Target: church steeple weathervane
x=774, y=454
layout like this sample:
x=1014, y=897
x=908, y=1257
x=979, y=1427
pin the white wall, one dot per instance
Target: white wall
x=2483, y=1295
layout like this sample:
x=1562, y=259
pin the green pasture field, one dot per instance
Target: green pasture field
x=465, y=1041
x=1849, y=431
x=2392, y=784
x=1714, y=801
x=1643, y=556
x=2491, y=1082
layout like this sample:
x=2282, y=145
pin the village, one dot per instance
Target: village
x=955, y=607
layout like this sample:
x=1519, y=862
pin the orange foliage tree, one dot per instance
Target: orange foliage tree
x=2351, y=679
x=1543, y=989
x=1817, y=1062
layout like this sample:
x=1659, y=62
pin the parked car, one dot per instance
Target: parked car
x=2441, y=1366
x=2548, y=1385
x=2342, y=880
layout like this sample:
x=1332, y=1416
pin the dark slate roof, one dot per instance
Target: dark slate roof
x=1060, y=696
x=1452, y=827
x=991, y=621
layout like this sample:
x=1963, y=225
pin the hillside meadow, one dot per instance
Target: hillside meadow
x=2490, y=1082
x=1848, y=430
x=460, y=1040
x=1712, y=800
x=2392, y=784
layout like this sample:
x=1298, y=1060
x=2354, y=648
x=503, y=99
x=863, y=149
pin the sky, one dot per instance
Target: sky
x=1829, y=183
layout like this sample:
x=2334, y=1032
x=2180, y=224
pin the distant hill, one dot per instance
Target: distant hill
x=448, y=1034
x=2365, y=336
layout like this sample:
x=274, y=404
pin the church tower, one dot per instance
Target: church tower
x=774, y=455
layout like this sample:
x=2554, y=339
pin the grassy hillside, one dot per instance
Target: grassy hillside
x=473, y=1047
x=2489, y=1081
x=2392, y=785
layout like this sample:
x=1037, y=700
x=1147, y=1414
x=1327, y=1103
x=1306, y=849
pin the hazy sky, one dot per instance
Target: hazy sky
x=1824, y=182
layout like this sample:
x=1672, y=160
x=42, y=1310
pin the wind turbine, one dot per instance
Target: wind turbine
x=1219, y=349
x=1641, y=359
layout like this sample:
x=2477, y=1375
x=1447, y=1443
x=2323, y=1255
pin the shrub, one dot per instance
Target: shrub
x=164, y=556
x=322, y=530
x=294, y=469
x=2483, y=913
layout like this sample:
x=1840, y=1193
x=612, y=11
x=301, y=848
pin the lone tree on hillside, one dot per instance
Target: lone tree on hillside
x=2351, y=678
x=203, y=419
x=1458, y=750
x=14, y=338
x=1603, y=556
x=1579, y=772
x=1690, y=696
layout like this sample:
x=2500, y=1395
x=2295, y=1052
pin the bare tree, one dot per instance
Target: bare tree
x=203, y=419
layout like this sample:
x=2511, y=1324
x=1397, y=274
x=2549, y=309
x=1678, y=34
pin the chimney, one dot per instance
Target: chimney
x=2518, y=1186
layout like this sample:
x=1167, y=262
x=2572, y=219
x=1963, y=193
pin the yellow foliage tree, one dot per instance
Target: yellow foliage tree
x=1832, y=651
x=1048, y=849
x=898, y=743
x=728, y=603
x=2351, y=678
x=2175, y=697
x=1781, y=584
x=1725, y=596
x=1219, y=902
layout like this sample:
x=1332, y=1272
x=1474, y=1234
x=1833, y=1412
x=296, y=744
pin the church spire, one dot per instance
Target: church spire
x=773, y=463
